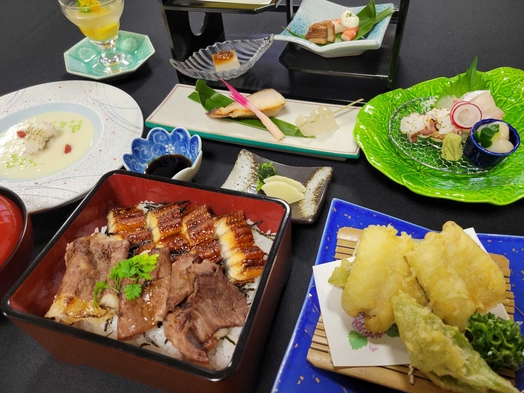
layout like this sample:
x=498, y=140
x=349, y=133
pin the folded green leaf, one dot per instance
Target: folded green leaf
x=211, y=99
x=366, y=18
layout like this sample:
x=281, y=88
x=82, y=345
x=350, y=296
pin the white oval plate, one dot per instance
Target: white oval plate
x=312, y=11
x=117, y=120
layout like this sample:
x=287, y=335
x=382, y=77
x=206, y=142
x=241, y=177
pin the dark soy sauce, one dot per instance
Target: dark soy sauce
x=168, y=165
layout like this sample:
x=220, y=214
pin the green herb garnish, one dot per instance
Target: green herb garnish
x=265, y=170
x=211, y=99
x=485, y=135
x=135, y=268
x=497, y=340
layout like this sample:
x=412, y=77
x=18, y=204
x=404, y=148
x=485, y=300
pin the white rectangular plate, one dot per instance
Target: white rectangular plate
x=177, y=110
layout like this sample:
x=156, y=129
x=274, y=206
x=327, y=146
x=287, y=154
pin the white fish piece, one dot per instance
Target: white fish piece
x=37, y=135
x=268, y=101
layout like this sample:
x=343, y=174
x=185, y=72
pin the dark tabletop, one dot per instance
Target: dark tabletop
x=441, y=38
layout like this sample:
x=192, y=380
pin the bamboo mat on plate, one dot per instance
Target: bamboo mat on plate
x=397, y=377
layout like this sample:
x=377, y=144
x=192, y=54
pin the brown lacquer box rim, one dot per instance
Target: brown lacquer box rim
x=195, y=370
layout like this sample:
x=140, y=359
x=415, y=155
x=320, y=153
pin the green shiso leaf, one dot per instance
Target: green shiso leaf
x=211, y=99
x=471, y=80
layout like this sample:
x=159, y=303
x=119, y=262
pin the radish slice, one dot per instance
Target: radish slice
x=465, y=114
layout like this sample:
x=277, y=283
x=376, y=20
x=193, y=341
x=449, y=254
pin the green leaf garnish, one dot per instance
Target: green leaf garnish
x=211, y=99
x=471, y=80
x=265, y=170
x=366, y=18
x=135, y=268
x=132, y=291
x=393, y=331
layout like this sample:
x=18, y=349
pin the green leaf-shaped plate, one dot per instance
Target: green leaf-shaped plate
x=501, y=186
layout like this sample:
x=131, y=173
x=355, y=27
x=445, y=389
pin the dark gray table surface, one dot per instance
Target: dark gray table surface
x=441, y=39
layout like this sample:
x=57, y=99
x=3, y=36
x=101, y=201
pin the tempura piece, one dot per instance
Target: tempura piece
x=378, y=273
x=482, y=276
x=442, y=353
x=448, y=295
x=341, y=273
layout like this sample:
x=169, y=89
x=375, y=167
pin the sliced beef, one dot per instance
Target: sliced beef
x=88, y=260
x=139, y=315
x=212, y=303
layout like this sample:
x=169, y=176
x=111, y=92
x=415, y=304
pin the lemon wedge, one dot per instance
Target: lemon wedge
x=295, y=184
x=282, y=190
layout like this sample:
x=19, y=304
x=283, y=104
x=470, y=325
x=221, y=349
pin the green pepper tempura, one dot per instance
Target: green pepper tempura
x=498, y=341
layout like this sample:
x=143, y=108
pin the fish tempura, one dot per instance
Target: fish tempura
x=378, y=273
x=448, y=295
x=482, y=276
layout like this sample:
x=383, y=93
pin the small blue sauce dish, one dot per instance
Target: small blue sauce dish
x=482, y=157
x=175, y=154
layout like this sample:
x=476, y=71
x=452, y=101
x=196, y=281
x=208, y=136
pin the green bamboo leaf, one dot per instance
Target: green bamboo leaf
x=384, y=13
x=211, y=99
x=366, y=18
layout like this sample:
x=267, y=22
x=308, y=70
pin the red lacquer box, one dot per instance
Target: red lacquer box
x=27, y=302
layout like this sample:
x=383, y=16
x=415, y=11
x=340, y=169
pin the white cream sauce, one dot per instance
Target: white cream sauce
x=72, y=129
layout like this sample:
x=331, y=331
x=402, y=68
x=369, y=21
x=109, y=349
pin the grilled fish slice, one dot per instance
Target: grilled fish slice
x=177, y=243
x=209, y=249
x=135, y=238
x=198, y=225
x=146, y=245
x=321, y=32
x=244, y=259
x=268, y=101
x=125, y=219
x=164, y=220
x=246, y=264
x=233, y=231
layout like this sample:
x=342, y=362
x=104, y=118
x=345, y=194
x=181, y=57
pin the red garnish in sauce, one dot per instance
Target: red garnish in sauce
x=21, y=134
x=67, y=148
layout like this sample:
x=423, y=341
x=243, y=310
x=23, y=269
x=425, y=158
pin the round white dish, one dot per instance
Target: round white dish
x=117, y=120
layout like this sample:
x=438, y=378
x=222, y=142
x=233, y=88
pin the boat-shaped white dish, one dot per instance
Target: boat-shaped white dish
x=313, y=11
x=244, y=177
x=200, y=65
